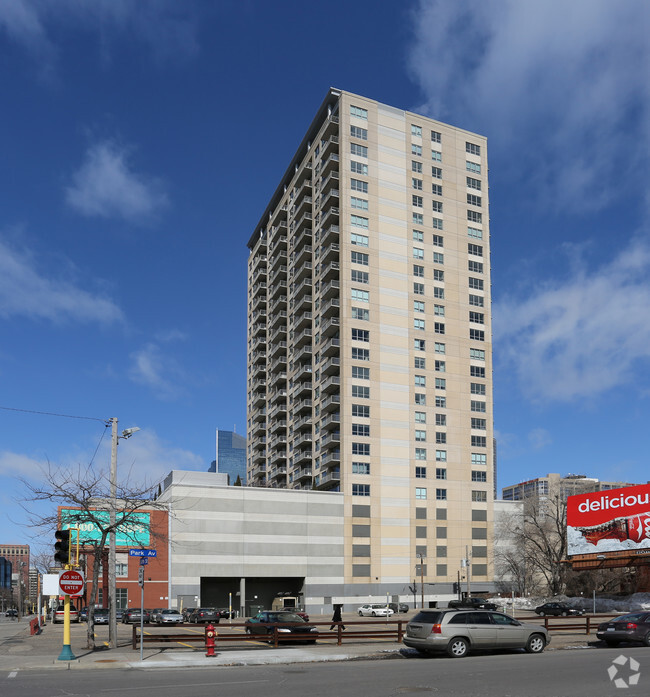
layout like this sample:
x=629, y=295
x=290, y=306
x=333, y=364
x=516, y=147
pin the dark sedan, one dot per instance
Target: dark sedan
x=133, y=615
x=557, y=609
x=634, y=627
x=204, y=615
x=289, y=625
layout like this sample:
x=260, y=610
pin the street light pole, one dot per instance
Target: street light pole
x=112, y=610
x=421, y=558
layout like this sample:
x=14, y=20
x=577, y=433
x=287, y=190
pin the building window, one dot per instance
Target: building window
x=360, y=295
x=359, y=258
x=478, y=354
x=474, y=217
x=439, y=327
x=438, y=275
x=476, y=300
x=360, y=468
x=474, y=200
x=473, y=183
x=360, y=335
x=441, y=494
x=478, y=476
x=473, y=149
x=361, y=430
x=361, y=313
x=420, y=453
x=359, y=240
x=420, y=472
x=478, y=442
x=472, y=167
x=435, y=137
x=476, y=388
x=438, y=258
x=440, y=348
x=441, y=366
x=441, y=437
x=475, y=249
x=476, y=283
x=475, y=266
x=360, y=354
x=420, y=363
x=418, y=235
x=360, y=373
x=436, y=189
x=441, y=419
x=477, y=335
x=418, y=270
x=441, y=402
x=418, y=288
x=359, y=221
x=420, y=417
x=475, y=232
x=441, y=473
x=416, y=150
x=361, y=449
x=479, y=496
x=361, y=490
x=358, y=150
x=416, y=167
x=437, y=223
x=436, y=172
x=362, y=410
x=476, y=317
x=359, y=276
x=420, y=399
x=438, y=293
x=420, y=380
x=477, y=371
x=437, y=240
x=420, y=436
x=418, y=219
x=358, y=168
x=418, y=306
x=357, y=132
x=418, y=253
x=416, y=131
x=437, y=206
x=475, y=405
x=418, y=324
x=439, y=310
x=416, y=184
x=417, y=200
x=420, y=492
x=360, y=391
x=358, y=203
x=479, y=459
x=441, y=456
x=419, y=344
x=479, y=424
x=358, y=112
x=441, y=384
x=436, y=155
x=358, y=185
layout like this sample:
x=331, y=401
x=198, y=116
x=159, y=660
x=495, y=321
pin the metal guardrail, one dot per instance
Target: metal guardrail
x=557, y=623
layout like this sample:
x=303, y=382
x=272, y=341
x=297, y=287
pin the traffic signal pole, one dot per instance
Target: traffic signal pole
x=66, y=650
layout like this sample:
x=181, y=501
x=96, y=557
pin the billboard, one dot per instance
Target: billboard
x=609, y=521
x=134, y=532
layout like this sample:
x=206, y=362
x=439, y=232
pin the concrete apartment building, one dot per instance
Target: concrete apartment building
x=554, y=484
x=370, y=343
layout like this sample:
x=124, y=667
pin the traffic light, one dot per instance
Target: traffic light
x=62, y=546
x=456, y=587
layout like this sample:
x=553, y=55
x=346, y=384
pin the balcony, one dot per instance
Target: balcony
x=302, y=371
x=330, y=290
x=279, y=363
x=259, y=289
x=258, y=328
x=277, y=424
x=302, y=456
x=302, y=423
x=303, y=238
x=333, y=438
x=302, y=473
x=303, y=253
x=276, y=377
x=279, y=288
x=278, y=258
x=330, y=216
x=302, y=407
x=330, y=164
x=302, y=205
x=258, y=457
x=258, y=414
x=301, y=389
x=260, y=245
x=303, y=271
x=330, y=197
x=258, y=470
x=331, y=457
x=329, y=271
x=329, y=146
x=279, y=440
x=258, y=398
x=279, y=215
x=302, y=287
x=305, y=352
x=278, y=395
x=330, y=181
x=330, y=253
x=329, y=235
x=303, y=438
x=278, y=233
x=303, y=337
x=277, y=318
x=303, y=189
x=327, y=480
x=278, y=304
x=302, y=320
x=330, y=403
x=331, y=366
x=278, y=273
x=330, y=421
x=281, y=346
x=279, y=334
x=330, y=327
x=278, y=411
x=302, y=302
x=278, y=472
x=330, y=347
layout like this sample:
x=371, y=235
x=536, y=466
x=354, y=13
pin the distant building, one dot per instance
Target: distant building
x=231, y=456
x=18, y=557
x=5, y=574
x=552, y=484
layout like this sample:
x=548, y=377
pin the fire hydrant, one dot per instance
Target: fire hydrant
x=210, y=639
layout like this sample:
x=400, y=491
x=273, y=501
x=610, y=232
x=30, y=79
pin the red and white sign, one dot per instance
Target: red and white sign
x=71, y=582
x=609, y=521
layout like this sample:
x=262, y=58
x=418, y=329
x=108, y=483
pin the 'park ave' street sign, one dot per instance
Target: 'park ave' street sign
x=142, y=552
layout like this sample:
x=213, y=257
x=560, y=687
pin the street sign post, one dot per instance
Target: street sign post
x=71, y=582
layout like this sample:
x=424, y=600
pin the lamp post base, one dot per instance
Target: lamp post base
x=66, y=653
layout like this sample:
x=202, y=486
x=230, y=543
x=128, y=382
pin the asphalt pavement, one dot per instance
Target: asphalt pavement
x=21, y=651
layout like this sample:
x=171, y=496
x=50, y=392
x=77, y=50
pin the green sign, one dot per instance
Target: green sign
x=135, y=531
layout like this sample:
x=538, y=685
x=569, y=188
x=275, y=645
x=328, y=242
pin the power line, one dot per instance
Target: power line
x=97, y=448
x=50, y=413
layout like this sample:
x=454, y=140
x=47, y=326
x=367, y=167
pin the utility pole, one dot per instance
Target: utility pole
x=112, y=610
x=421, y=557
x=468, y=564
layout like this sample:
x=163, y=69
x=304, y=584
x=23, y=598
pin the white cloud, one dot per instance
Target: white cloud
x=26, y=291
x=107, y=186
x=581, y=336
x=154, y=369
x=13, y=464
x=560, y=88
x=539, y=438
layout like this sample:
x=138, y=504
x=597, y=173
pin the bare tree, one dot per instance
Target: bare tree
x=86, y=492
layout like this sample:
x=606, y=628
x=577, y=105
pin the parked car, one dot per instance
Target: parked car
x=133, y=615
x=457, y=632
x=12, y=612
x=266, y=621
x=634, y=627
x=153, y=614
x=557, y=609
x=374, y=610
x=119, y=613
x=204, y=615
x=472, y=603
x=168, y=616
x=186, y=612
x=83, y=614
x=59, y=615
x=100, y=615
x=398, y=607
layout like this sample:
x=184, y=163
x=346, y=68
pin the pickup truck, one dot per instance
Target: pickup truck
x=471, y=604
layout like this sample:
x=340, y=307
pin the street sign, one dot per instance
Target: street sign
x=141, y=577
x=143, y=561
x=142, y=553
x=71, y=582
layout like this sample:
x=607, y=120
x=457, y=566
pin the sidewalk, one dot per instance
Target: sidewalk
x=20, y=651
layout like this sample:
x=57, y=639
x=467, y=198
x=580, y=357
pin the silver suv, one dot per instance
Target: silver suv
x=459, y=631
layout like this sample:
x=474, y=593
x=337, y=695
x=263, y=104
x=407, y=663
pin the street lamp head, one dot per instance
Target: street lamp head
x=128, y=432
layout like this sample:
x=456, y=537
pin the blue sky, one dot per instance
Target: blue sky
x=140, y=143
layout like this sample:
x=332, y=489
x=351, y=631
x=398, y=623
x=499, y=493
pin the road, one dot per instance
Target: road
x=551, y=674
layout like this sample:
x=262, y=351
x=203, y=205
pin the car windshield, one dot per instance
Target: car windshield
x=285, y=617
x=637, y=617
x=378, y=607
x=169, y=612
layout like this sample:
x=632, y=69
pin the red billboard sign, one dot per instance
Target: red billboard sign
x=609, y=521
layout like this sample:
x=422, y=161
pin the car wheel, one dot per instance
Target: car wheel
x=458, y=647
x=535, y=644
x=542, y=613
x=374, y=614
x=646, y=639
x=360, y=613
x=565, y=613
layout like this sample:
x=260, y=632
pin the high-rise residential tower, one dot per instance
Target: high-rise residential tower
x=369, y=339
